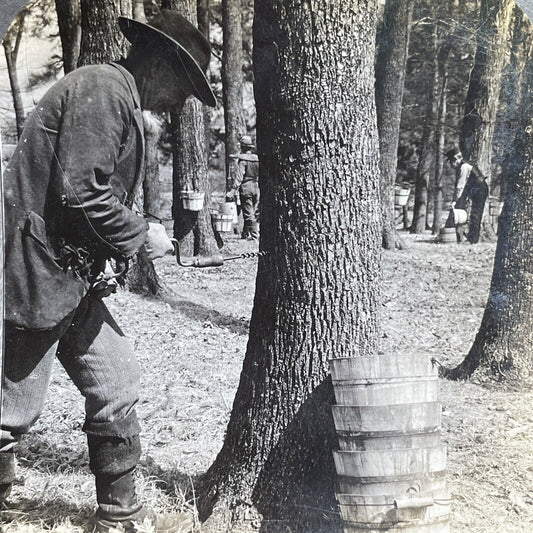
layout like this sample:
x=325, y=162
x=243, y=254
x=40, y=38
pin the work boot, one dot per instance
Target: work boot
x=7, y=474
x=143, y=520
x=118, y=509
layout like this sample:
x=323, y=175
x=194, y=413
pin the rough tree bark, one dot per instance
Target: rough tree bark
x=511, y=95
x=143, y=276
x=317, y=290
x=101, y=38
x=423, y=170
x=190, y=165
x=481, y=105
x=393, y=43
x=69, y=22
x=232, y=80
x=502, y=346
x=11, y=44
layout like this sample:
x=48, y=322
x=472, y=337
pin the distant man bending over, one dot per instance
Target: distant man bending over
x=69, y=189
x=470, y=195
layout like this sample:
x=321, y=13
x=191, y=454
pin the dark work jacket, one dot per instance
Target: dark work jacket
x=70, y=181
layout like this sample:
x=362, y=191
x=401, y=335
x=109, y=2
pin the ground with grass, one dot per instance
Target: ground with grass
x=191, y=343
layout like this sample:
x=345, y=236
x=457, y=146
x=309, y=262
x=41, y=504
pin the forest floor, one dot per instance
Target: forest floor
x=191, y=345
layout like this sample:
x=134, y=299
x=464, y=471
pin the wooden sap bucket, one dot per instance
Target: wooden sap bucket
x=448, y=236
x=222, y=223
x=401, y=196
x=229, y=208
x=390, y=464
x=460, y=216
x=192, y=200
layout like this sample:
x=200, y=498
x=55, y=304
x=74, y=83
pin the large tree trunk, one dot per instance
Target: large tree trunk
x=69, y=22
x=11, y=44
x=317, y=290
x=393, y=44
x=232, y=80
x=190, y=165
x=423, y=169
x=481, y=106
x=511, y=96
x=503, y=344
x=101, y=38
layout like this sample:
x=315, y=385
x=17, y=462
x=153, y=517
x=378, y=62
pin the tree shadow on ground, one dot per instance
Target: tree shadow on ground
x=296, y=489
x=201, y=313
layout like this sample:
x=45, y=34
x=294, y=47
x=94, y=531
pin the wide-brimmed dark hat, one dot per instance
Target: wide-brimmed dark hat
x=176, y=34
x=452, y=153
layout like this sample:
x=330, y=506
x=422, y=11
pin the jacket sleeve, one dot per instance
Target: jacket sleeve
x=96, y=117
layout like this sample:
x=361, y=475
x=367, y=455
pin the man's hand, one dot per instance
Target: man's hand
x=157, y=243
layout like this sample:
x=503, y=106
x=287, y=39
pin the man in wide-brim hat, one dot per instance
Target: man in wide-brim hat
x=69, y=190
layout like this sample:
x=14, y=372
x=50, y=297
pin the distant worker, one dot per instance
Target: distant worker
x=470, y=195
x=245, y=180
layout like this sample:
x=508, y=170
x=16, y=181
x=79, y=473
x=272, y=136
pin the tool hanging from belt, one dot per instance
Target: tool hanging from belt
x=210, y=260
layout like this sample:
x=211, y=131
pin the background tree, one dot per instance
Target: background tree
x=101, y=38
x=393, y=44
x=423, y=169
x=481, y=106
x=69, y=22
x=317, y=290
x=11, y=44
x=190, y=161
x=502, y=346
x=232, y=80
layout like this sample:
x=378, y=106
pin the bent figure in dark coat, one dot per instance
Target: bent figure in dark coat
x=69, y=189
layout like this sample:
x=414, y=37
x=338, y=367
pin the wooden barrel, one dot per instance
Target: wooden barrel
x=391, y=463
x=391, y=485
x=432, y=525
x=380, y=510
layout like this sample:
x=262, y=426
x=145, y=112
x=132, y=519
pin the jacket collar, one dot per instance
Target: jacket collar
x=130, y=81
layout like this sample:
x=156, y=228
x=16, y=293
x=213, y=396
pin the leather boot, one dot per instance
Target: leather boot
x=118, y=509
x=7, y=474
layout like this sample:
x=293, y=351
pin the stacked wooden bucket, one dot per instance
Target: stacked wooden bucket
x=391, y=463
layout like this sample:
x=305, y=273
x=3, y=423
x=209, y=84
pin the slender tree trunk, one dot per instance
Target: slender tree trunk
x=69, y=22
x=423, y=170
x=202, y=13
x=232, y=79
x=190, y=165
x=11, y=44
x=503, y=344
x=101, y=38
x=440, y=136
x=481, y=106
x=143, y=276
x=138, y=10
x=390, y=76
x=317, y=290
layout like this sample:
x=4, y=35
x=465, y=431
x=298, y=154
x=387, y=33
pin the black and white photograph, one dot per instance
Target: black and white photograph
x=266, y=266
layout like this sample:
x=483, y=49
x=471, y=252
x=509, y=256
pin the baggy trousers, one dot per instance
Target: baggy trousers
x=99, y=360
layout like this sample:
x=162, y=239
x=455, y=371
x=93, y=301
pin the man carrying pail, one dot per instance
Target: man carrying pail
x=245, y=180
x=470, y=194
